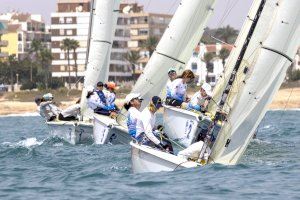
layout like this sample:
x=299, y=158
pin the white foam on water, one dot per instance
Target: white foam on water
x=28, y=142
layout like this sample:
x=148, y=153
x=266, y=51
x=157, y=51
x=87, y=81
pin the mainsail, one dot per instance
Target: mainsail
x=105, y=14
x=260, y=76
x=175, y=47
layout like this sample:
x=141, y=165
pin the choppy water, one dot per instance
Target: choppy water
x=34, y=165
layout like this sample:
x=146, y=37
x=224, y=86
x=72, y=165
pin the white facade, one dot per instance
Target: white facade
x=119, y=67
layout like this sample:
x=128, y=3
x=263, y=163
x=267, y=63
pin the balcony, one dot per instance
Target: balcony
x=3, y=43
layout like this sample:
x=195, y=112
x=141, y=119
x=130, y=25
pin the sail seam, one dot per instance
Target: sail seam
x=278, y=52
x=171, y=57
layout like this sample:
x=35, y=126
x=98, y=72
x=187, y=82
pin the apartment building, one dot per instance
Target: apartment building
x=142, y=26
x=72, y=21
x=22, y=29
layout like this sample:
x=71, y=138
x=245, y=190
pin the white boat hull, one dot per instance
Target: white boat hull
x=72, y=132
x=147, y=159
x=107, y=131
x=182, y=125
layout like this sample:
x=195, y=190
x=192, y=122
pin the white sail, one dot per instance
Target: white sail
x=267, y=68
x=175, y=47
x=103, y=28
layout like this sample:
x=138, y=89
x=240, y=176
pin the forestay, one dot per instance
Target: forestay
x=267, y=60
x=175, y=47
x=103, y=28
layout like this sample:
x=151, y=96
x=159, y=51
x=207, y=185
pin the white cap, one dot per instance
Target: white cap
x=90, y=88
x=48, y=96
x=131, y=96
x=207, y=88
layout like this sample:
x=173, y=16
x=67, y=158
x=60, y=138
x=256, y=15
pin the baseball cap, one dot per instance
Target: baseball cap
x=207, y=88
x=131, y=96
x=157, y=102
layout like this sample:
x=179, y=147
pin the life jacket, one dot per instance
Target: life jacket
x=101, y=96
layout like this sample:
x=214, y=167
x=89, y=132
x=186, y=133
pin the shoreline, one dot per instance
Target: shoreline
x=285, y=99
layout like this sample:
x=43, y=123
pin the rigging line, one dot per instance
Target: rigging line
x=226, y=14
x=172, y=6
x=286, y=105
x=180, y=164
x=148, y=4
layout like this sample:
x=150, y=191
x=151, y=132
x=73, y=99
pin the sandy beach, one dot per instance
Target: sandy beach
x=284, y=99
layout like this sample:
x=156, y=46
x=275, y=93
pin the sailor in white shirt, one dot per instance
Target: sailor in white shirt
x=172, y=76
x=178, y=89
x=93, y=99
x=200, y=99
x=134, y=116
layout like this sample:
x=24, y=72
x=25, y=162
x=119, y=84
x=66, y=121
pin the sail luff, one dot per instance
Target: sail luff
x=267, y=70
x=175, y=47
x=234, y=54
x=103, y=27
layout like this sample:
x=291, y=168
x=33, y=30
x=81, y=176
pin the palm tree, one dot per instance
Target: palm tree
x=133, y=57
x=11, y=64
x=150, y=44
x=74, y=46
x=224, y=53
x=46, y=58
x=34, y=53
x=227, y=34
x=66, y=46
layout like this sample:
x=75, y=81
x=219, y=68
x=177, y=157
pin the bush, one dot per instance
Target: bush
x=28, y=85
x=56, y=83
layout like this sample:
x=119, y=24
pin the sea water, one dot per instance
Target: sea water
x=34, y=165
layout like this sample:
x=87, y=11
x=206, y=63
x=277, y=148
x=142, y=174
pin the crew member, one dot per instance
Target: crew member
x=178, y=89
x=200, y=99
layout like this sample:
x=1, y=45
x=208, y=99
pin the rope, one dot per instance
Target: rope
x=180, y=164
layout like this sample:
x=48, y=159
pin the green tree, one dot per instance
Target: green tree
x=224, y=53
x=67, y=47
x=46, y=58
x=74, y=46
x=12, y=62
x=227, y=34
x=34, y=53
x=133, y=57
x=207, y=59
x=150, y=44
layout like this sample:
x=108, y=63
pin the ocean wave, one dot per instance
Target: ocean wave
x=22, y=115
x=27, y=143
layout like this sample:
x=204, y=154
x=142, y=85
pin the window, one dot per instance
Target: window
x=69, y=20
x=133, y=44
x=143, y=32
x=61, y=31
x=61, y=20
x=20, y=48
x=19, y=37
x=69, y=32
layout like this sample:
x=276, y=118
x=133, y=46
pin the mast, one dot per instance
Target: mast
x=90, y=32
x=239, y=61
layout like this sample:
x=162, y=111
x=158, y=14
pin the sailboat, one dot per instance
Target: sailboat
x=265, y=48
x=173, y=50
x=104, y=14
